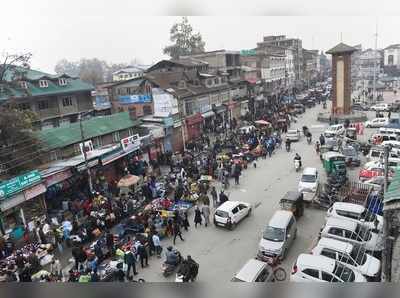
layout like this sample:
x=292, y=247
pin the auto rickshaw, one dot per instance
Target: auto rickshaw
x=293, y=201
x=334, y=163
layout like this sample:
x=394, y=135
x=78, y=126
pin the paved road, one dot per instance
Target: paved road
x=220, y=252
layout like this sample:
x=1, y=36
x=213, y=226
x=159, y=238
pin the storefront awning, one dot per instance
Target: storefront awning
x=196, y=118
x=208, y=114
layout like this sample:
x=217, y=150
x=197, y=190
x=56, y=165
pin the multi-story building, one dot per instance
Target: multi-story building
x=325, y=66
x=311, y=66
x=57, y=100
x=128, y=73
x=391, y=62
x=133, y=95
x=294, y=43
x=370, y=62
x=290, y=74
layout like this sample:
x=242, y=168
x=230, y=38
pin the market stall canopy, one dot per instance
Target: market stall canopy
x=262, y=122
x=128, y=180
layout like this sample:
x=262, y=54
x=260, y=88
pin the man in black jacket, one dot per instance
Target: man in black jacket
x=130, y=260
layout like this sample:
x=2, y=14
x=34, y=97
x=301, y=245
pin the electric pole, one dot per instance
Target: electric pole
x=386, y=266
x=375, y=58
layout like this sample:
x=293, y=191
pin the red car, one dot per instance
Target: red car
x=369, y=173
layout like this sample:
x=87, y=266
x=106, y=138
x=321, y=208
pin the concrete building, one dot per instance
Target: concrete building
x=311, y=66
x=128, y=73
x=368, y=58
x=132, y=95
x=392, y=55
x=57, y=100
x=293, y=43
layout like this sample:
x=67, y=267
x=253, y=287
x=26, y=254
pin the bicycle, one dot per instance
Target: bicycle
x=278, y=271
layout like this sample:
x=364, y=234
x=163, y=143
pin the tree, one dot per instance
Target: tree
x=67, y=67
x=89, y=70
x=185, y=41
x=19, y=149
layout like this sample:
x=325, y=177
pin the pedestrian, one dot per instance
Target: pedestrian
x=143, y=255
x=214, y=196
x=130, y=261
x=222, y=197
x=80, y=257
x=152, y=249
x=177, y=231
x=205, y=210
x=157, y=244
x=185, y=221
x=55, y=268
x=197, y=217
x=110, y=242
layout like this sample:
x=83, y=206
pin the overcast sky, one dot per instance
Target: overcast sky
x=117, y=31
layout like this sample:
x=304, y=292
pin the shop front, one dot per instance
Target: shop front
x=208, y=117
x=194, y=127
x=221, y=115
x=234, y=111
x=21, y=202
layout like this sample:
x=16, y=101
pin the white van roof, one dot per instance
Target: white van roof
x=280, y=219
x=335, y=245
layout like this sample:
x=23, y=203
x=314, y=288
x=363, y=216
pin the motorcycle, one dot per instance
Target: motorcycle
x=168, y=269
x=297, y=165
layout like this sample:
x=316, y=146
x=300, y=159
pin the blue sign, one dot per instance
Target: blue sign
x=102, y=102
x=136, y=98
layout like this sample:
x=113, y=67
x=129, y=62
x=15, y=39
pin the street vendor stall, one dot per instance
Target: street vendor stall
x=126, y=182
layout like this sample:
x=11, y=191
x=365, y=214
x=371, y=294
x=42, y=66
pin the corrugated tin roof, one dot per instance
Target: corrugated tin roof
x=393, y=193
x=64, y=136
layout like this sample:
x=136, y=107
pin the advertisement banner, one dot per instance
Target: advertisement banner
x=131, y=143
x=136, y=98
x=19, y=183
x=165, y=104
x=34, y=191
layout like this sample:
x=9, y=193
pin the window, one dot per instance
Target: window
x=147, y=110
x=262, y=276
x=328, y=277
x=53, y=155
x=209, y=82
x=216, y=81
x=43, y=83
x=43, y=105
x=116, y=137
x=24, y=106
x=24, y=85
x=235, y=210
x=345, y=259
x=97, y=142
x=390, y=59
x=62, y=82
x=311, y=272
x=328, y=253
x=336, y=231
x=67, y=101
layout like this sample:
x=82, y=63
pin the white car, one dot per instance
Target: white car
x=337, y=129
x=356, y=213
x=230, y=213
x=310, y=268
x=352, y=256
x=380, y=107
x=377, y=122
x=352, y=232
x=309, y=181
x=293, y=134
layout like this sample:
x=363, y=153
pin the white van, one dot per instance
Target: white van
x=278, y=236
x=230, y=213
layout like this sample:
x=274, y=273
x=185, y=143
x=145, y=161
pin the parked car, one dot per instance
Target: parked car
x=311, y=268
x=337, y=129
x=380, y=107
x=351, y=255
x=356, y=213
x=376, y=123
x=299, y=108
x=254, y=271
x=359, y=107
x=278, y=236
x=293, y=134
x=309, y=181
x=352, y=232
x=230, y=213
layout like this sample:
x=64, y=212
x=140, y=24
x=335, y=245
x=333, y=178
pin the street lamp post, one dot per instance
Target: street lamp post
x=85, y=154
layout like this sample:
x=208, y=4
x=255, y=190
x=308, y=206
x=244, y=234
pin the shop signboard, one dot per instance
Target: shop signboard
x=19, y=183
x=131, y=143
x=58, y=177
x=136, y=98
